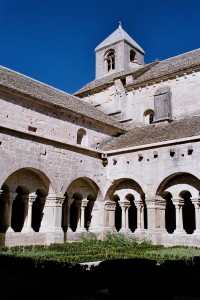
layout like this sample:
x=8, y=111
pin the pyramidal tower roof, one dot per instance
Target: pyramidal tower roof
x=118, y=35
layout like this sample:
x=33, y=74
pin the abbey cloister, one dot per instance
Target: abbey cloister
x=121, y=154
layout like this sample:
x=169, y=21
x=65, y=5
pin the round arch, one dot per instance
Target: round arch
x=179, y=178
x=123, y=183
x=30, y=179
x=38, y=169
x=169, y=173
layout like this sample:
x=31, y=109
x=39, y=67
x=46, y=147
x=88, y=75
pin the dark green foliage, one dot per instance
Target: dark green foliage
x=90, y=248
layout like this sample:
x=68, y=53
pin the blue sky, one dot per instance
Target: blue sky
x=53, y=41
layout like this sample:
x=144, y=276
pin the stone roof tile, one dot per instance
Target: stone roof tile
x=171, y=65
x=148, y=72
x=119, y=35
x=139, y=136
x=109, y=79
x=40, y=92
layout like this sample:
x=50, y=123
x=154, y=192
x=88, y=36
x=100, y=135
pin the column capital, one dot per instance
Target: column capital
x=124, y=203
x=84, y=203
x=54, y=200
x=196, y=201
x=13, y=195
x=32, y=197
x=109, y=205
x=156, y=202
x=138, y=203
x=178, y=202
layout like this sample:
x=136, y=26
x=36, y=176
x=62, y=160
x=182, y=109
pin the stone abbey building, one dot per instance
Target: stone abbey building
x=121, y=154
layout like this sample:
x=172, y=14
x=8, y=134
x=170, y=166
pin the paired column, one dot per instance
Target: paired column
x=140, y=214
x=125, y=204
x=9, y=211
x=81, y=205
x=28, y=202
x=178, y=203
x=196, y=202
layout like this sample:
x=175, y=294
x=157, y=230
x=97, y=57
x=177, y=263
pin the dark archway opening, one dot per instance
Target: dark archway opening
x=118, y=215
x=132, y=214
x=170, y=214
x=188, y=214
x=17, y=220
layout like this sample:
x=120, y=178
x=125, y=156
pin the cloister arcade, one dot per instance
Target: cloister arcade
x=29, y=204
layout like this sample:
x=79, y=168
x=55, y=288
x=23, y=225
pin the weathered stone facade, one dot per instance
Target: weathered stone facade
x=120, y=154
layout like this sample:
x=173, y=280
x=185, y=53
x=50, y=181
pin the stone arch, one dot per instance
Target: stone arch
x=82, y=137
x=123, y=183
x=109, y=59
x=128, y=196
x=19, y=186
x=78, y=205
x=41, y=169
x=182, y=191
x=148, y=116
x=176, y=179
x=169, y=173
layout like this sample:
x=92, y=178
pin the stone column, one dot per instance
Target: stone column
x=52, y=213
x=25, y=199
x=9, y=215
x=196, y=202
x=82, y=215
x=156, y=214
x=109, y=221
x=28, y=214
x=69, y=202
x=125, y=204
x=140, y=214
x=179, y=202
x=4, y=198
x=78, y=205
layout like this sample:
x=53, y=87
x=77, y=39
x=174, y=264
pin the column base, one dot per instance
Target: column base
x=196, y=231
x=81, y=229
x=10, y=230
x=125, y=230
x=179, y=231
x=26, y=230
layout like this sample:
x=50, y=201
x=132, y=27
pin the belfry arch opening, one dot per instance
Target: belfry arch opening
x=110, y=60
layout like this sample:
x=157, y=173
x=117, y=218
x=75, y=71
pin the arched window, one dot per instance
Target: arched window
x=81, y=137
x=132, y=55
x=110, y=60
x=148, y=116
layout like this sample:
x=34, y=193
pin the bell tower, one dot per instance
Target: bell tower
x=116, y=53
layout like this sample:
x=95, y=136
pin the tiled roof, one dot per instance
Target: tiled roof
x=139, y=136
x=109, y=79
x=149, y=72
x=47, y=95
x=172, y=65
x=118, y=35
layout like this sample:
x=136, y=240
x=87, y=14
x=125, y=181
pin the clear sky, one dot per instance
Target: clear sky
x=53, y=41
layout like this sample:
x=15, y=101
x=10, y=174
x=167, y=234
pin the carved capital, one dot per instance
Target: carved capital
x=156, y=202
x=178, y=202
x=109, y=205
